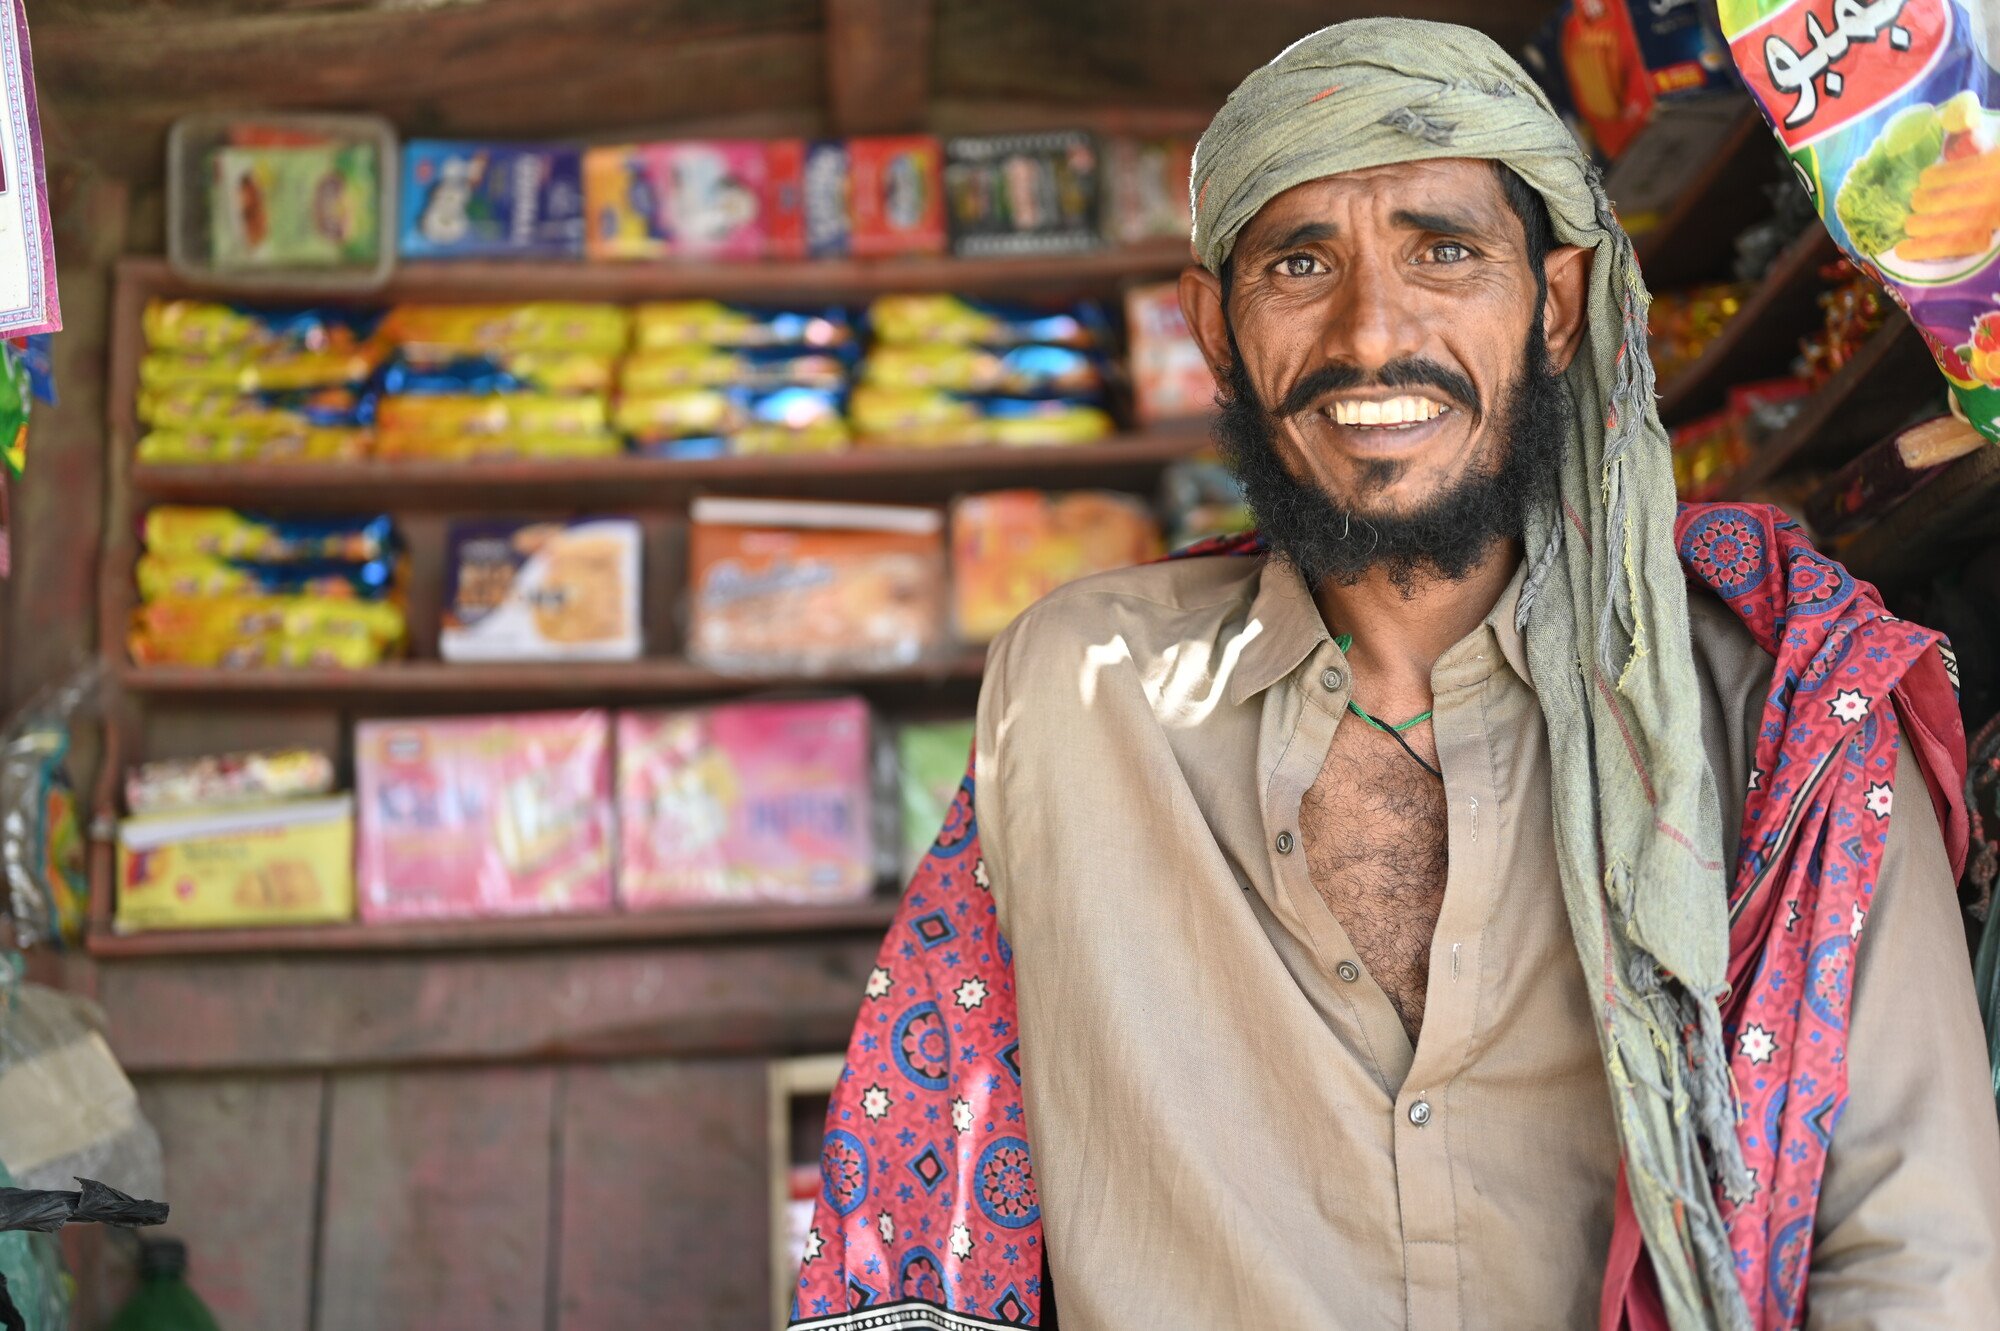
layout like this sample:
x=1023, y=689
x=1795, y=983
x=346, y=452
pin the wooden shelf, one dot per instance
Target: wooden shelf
x=757, y=920
x=643, y=482
x=782, y=281
x=657, y=678
x=1763, y=338
x=1695, y=239
x=1840, y=419
x=1954, y=505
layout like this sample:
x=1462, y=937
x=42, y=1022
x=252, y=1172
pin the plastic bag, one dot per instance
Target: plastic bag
x=41, y=846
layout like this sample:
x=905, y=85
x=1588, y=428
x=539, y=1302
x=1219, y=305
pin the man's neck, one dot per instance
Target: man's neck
x=1398, y=636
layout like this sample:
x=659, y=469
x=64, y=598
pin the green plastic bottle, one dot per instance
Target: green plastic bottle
x=164, y=1301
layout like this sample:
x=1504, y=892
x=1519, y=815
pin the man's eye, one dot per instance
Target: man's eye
x=1449, y=252
x=1299, y=265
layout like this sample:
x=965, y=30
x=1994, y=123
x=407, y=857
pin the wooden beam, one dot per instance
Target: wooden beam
x=878, y=65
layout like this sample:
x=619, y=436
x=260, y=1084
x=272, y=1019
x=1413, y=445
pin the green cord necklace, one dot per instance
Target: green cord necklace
x=1345, y=641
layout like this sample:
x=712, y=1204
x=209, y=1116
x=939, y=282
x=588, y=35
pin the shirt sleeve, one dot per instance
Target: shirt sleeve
x=1909, y=1215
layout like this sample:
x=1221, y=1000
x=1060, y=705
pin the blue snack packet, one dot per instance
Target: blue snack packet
x=491, y=200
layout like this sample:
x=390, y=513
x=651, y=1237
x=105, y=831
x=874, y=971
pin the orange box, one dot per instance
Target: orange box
x=1010, y=548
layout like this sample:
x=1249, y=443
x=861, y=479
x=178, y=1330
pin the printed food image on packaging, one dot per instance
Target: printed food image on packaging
x=484, y=816
x=260, y=864
x=751, y=801
x=1010, y=548
x=1888, y=112
x=542, y=591
x=312, y=205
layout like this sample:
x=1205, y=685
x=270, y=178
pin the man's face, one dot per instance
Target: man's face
x=1389, y=332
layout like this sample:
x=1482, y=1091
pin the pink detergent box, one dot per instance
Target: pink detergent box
x=480, y=816
x=749, y=801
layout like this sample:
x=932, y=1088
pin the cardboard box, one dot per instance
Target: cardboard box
x=491, y=200
x=1010, y=548
x=270, y=864
x=542, y=591
x=1170, y=378
x=896, y=195
x=1022, y=193
x=698, y=198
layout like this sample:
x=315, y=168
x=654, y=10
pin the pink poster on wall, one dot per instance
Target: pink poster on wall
x=28, y=301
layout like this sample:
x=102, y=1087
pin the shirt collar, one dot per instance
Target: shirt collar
x=1285, y=627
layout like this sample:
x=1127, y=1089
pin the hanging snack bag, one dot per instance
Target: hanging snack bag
x=1891, y=114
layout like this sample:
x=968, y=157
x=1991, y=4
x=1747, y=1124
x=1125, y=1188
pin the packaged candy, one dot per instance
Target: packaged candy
x=690, y=199
x=1022, y=193
x=813, y=586
x=895, y=195
x=924, y=418
x=728, y=411
x=179, y=784
x=903, y=319
x=1889, y=114
x=930, y=767
x=490, y=200
x=255, y=440
x=289, y=863
x=710, y=323
x=1681, y=324
x=195, y=406
x=827, y=435
x=1031, y=371
x=692, y=366
x=502, y=414
x=1170, y=377
x=301, y=651
x=421, y=371
x=263, y=370
x=305, y=206
x=239, y=618
x=745, y=802
x=203, y=328
x=176, y=530
x=167, y=575
x=484, y=816
x=1146, y=189
x=542, y=591
x=1010, y=548
x=427, y=445
x=567, y=327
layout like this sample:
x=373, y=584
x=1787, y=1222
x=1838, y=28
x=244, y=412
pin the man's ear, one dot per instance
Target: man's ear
x=1201, y=306
x=1568, y=270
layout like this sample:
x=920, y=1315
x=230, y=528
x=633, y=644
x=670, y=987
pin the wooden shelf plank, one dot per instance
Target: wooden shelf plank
x=752, y=920
x=787, y=281
x=643, y=482
x=1840, y=419
x=1763, y=338
x=1694, y=240
x=1956, y=504
x=658, y=677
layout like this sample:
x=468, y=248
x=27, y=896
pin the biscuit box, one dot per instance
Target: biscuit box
x=266, y=864
x=465, y=817
x=748, y=801
x=490, y=200
x=896, y=195
x=542, y=591
x=693, y=199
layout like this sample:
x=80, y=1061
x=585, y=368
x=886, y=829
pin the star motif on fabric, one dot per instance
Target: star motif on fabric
x=814, y=1244
x=1849, y=705
x=1756, y=1044
x=971, y=992
x=979, y=875
x=961, y=1115
x=1791, y=914
x=886, y=1226
x=875, y=1103
x=1860, y=918
x=961, y=1241
x=1756, y=778
x=1879, y=799
x=879, y=981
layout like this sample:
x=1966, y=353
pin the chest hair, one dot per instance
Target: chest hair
x=1373, y=829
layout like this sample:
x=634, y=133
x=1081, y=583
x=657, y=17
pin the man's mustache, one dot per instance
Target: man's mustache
x=1404, y=372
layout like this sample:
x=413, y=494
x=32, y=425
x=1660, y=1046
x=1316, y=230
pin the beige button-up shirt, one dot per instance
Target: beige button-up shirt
x=1230, y=1126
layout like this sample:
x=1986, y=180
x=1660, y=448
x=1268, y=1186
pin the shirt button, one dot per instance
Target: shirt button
x=1284, y=843
x=1348, y=971
x=1331, y=679
x=1420, y=1112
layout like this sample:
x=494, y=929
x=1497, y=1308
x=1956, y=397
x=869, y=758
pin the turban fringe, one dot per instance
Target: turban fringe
x=1604, y=607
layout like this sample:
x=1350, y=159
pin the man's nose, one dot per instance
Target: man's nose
x=1370, y=321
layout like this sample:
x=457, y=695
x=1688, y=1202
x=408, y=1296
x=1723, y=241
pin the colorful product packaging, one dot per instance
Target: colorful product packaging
x=930, y=767
x=257, y=441
x=690, y=199
x=691, y=366
x=1170, y=377
x=1624, y=58
x=825, y=187
x=896, y=195
x=565, y=327
x=1010, y=548
x=808, y=587
x=810, y=417
x=490, y=200
x=542, y=591
x=262, y=865
x=310, y=205
x=926, y=318
x=181, y=784
x=926, y=418
x=1022, y=193
x=1891, y=115
x=1146, y=189
x=173, y=529
x=467, y=817
x=1012, y=372
x=745, y=802
x=669, y=324
x=204, y=328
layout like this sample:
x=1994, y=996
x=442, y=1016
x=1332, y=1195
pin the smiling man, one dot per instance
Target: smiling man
x=1439, y=914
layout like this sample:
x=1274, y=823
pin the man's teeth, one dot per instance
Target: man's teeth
x=1396, y=411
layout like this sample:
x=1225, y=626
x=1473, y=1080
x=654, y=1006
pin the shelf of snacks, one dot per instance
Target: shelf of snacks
x=1760, y=337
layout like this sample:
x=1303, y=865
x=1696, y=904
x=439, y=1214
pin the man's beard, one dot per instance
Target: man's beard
x=1326, y=539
